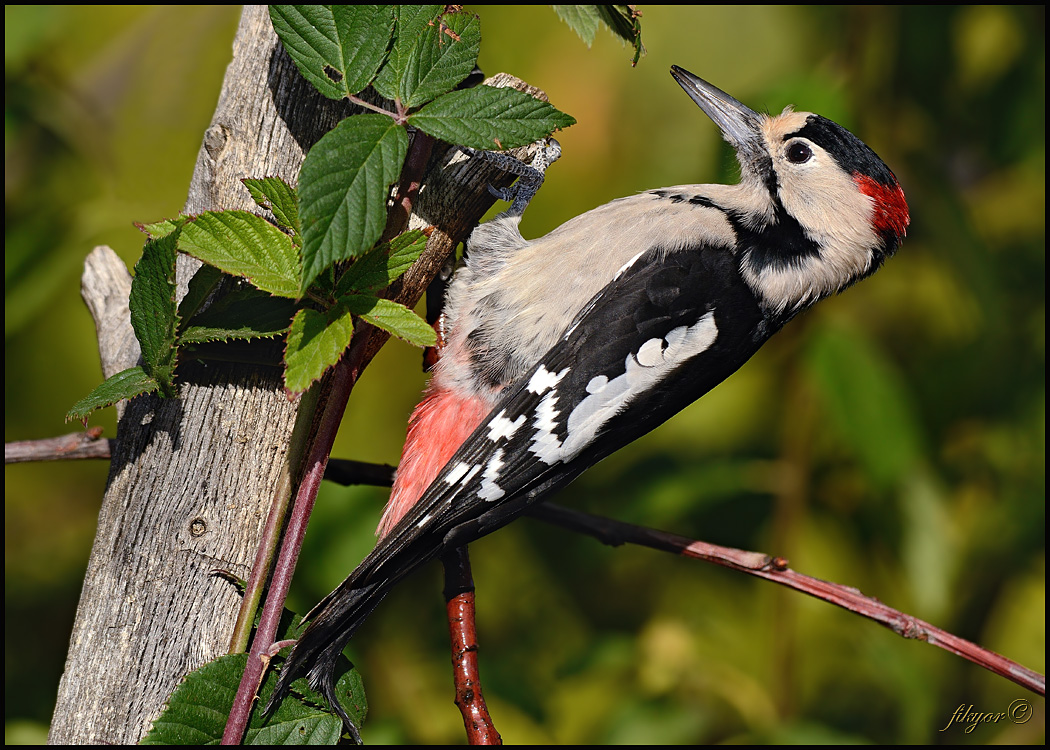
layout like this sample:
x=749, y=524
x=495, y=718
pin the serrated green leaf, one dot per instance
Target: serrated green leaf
x=155, y=230
x=153, y=313
x=313, y=728
x=197, y=712
x=410, y=23
x=243, y=314
x=382, y=266
x=488, y=118
x=444, y=55
x=338, y=48
x=583, y=19
x=316, y=341
x=343, y=187
x=391, y=317
x=125, y=384
x=348, y=686
x=623, y=21
x=280, y=198
x=243, y=244
x=162, y=228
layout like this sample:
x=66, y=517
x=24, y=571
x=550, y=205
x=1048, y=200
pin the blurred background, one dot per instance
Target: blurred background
x=892, y=439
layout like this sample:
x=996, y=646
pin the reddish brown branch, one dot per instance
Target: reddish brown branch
x=408, y=188
x=87, y=444
x=775, y=569
x=90, y=444
x=459, y=603
x=615, y=533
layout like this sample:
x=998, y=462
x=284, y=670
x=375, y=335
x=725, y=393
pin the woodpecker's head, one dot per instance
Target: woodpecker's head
x=818, y=210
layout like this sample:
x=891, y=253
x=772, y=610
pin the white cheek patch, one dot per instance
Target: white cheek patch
x=490, y=491
x=654, y=361
x=500, y=427
x=844, y=235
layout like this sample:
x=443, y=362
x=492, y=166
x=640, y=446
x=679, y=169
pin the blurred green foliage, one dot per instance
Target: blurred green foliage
x=892, y=439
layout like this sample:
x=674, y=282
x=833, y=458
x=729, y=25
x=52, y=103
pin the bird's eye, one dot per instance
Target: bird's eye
x=799, y=153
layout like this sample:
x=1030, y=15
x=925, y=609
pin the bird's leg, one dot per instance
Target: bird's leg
x=530, y=176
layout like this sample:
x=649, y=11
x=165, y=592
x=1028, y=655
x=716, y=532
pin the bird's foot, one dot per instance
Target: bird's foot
x=530, y=176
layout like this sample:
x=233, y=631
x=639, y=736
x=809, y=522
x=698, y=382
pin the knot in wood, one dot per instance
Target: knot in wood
x=215, y=140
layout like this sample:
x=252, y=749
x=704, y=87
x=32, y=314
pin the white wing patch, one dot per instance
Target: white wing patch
x=461, y=474
x=651, y=353
x=655, y=359
x=597, y=383
x=500, y=427
x=491, y=491
x=545, y=444
x=543, y=380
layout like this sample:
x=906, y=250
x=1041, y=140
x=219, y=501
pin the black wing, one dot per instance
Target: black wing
x=670, y=327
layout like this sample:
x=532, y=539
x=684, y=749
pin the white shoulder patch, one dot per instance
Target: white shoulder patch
x=654, y=360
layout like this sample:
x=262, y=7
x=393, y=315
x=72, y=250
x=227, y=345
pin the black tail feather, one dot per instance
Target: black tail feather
x=318, y=650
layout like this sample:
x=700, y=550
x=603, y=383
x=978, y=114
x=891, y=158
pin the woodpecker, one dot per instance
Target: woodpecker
x=561, y=350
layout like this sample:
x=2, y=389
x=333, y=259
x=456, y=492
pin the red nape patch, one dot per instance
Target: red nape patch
x=891, y=210
x=439, y=425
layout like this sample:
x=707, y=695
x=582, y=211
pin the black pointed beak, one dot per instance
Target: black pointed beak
x=740, y=125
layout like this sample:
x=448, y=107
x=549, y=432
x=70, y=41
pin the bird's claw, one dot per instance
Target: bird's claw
x=504, y=194
x=530, y=176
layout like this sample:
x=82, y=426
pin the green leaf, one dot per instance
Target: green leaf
x=583, y=19
x=444, y=55
x=348, y=686
x=621, y=20
x=337, y=48
x=243, y=314
x=383, y=265
x=243, y=244
x=280, y=198
x=489, y=119
x=343, y=188
x=391, y=317
x=316, y=341
x=153, y=313
x=410, y=24
x=162, y=228
x=125, y=384
x=197, y=712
